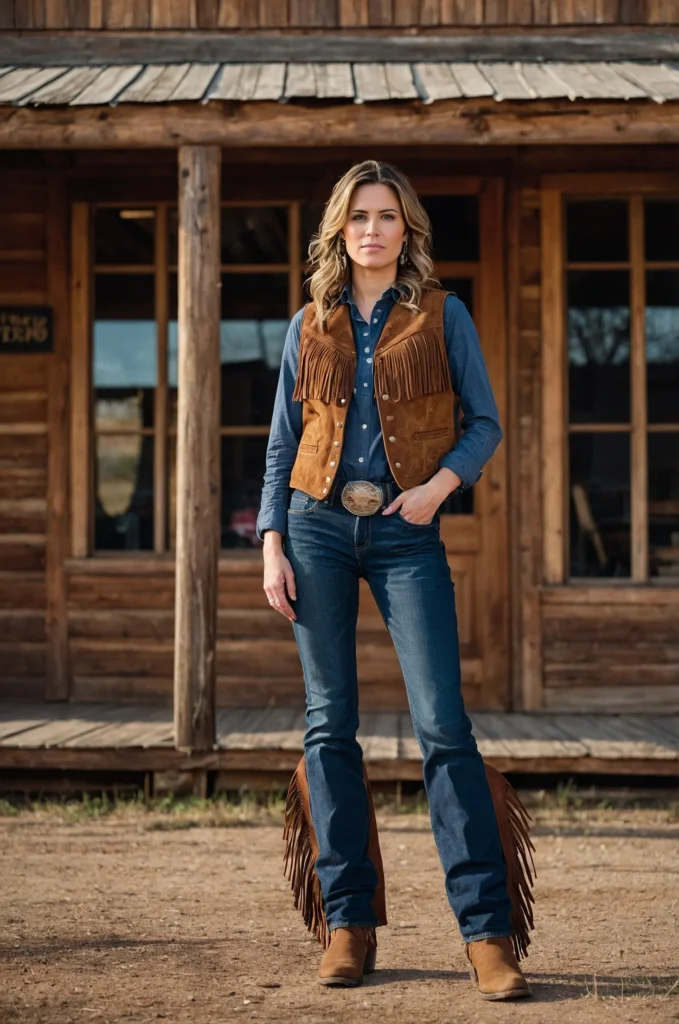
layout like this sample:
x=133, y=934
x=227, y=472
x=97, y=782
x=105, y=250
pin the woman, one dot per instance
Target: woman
x=363, y=433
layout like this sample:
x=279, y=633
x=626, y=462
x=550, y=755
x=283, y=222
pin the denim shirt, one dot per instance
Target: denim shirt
x=363, y=455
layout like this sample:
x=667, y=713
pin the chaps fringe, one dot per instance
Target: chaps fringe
x=517, y=847
x=413, y=367
x=513, y=822
x=298, y=863
x=323, y=372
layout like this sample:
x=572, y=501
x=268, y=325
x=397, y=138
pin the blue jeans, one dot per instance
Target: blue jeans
x=405, y=565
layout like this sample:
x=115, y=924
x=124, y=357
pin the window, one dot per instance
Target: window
x=616, y=275
x=134, y=353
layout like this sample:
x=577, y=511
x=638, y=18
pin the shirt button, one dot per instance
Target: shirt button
x=398, y=465
x=361, y=459
x=327, y=479
x=336, y=444
x=392, y=438
x=339, y=423
x=365, y=334
x=385, y=397
x=342, y=401
x=367, y=348
x=368, y=360
x=325, y=490
x=332, y=462
x=365, y=383
x=364, y=426
x=354, y=390
x=375, y=319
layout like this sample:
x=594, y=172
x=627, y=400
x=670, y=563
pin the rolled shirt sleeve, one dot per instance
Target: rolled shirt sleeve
x=482, y=431
x=284, y=437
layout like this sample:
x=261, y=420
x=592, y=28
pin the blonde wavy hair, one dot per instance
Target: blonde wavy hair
x=329, y=276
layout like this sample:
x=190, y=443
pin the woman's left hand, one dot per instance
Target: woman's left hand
x=419, y=504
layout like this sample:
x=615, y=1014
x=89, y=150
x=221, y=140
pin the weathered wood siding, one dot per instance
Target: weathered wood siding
x=23, y=445
x=121, y=627
x=328, y=14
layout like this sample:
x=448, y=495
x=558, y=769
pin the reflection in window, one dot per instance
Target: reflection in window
x=599, y=505
x=661, y=229
x=242, y=469
x=124, y=492
x=662, y=345
x=598, y=346
x=455, y=226
x=252, y=334
x=663, y=504
x=597, y=231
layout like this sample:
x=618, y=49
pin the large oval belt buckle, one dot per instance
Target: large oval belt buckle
x=362, y=497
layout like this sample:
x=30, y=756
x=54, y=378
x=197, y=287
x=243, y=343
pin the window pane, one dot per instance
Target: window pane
x=596, y=230
x=463, y=288
x=124, y=350
x=661, y=220
x=257, y=234
x=599, y=505
x=663, y=503
x=124, y=236
x=598, y=346
x=250, y=234
x=124, y=493
x=662, y=345
x=252, y=333
x=311, y=214
x=242, y=467
x=455, y=226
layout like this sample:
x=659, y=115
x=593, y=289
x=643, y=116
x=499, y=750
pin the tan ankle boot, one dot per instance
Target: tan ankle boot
x=350, y=955
x=495, y=970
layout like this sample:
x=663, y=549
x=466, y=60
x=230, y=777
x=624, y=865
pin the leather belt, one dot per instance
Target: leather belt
x=362, y=497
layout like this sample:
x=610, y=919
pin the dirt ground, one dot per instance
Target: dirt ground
x=137, y=916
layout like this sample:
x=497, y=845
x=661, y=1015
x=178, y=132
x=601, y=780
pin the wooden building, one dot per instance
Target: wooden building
x=162, y=165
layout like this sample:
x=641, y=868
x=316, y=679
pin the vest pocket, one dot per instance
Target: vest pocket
x=429, y=435
x=307, y=448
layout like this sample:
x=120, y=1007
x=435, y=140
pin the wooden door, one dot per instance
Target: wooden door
x=467, y=220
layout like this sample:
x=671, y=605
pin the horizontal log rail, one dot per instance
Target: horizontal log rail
x=448, y=122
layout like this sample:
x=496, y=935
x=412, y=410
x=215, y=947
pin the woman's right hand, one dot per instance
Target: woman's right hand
x=279, y=579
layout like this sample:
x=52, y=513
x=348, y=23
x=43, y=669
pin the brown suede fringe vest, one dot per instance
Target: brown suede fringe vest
x=413, y=389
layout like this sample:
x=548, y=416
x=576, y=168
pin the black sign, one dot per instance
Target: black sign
x=25, y=329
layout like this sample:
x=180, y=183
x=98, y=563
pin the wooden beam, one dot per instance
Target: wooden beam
x=56, y=624
x=81, y=380
x=638, y=412
x=130, y=47
x=198, y=456
x=264, y=123
x=553, y=388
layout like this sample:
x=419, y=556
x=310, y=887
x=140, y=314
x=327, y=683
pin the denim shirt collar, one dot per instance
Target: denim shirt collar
x=392, y=293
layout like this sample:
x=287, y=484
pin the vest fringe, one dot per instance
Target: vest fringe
x=412, y=367
x=323, y=372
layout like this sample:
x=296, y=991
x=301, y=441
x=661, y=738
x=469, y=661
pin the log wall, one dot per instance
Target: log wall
x=329, y=14
x=577, y=647
x=23, y=445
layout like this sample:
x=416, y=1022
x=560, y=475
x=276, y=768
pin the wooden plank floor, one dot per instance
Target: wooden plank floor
x=129, y=737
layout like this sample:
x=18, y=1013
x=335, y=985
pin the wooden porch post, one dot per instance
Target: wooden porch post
x=198, y=460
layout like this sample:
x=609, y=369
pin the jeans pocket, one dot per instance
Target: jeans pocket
x=301, y=503
x=417, y=526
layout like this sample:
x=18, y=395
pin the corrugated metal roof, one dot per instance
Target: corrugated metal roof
x=360, y=82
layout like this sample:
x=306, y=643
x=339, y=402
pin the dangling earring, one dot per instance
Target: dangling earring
x=343, y=253
x=403, y=258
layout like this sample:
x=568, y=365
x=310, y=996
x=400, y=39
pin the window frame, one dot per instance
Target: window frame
x=84, y=268
x=556, y=190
